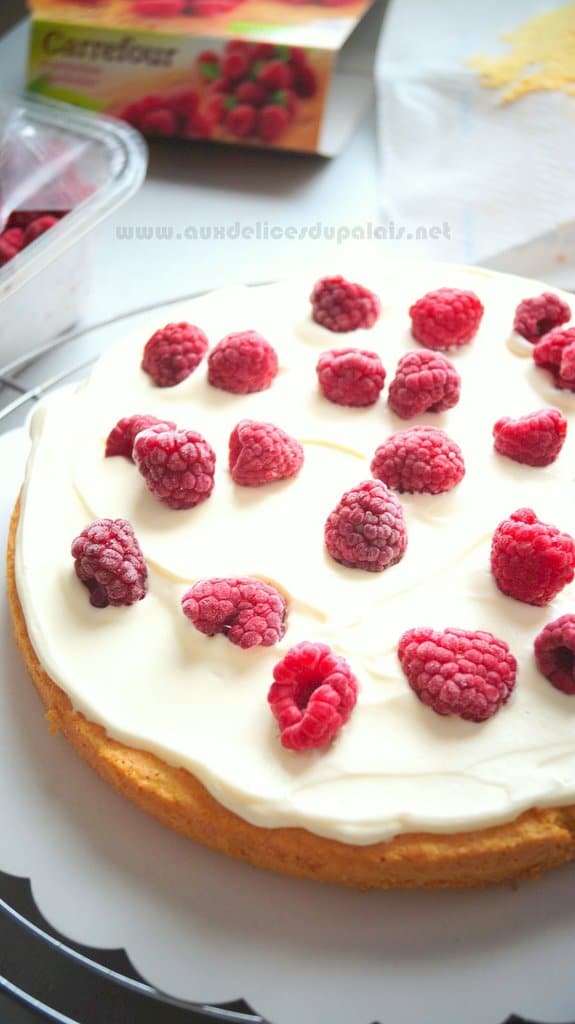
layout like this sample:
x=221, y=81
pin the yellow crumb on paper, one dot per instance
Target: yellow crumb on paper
x=541, y=58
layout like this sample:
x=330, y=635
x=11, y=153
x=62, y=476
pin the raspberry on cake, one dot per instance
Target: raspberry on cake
x=538, y=315
x=446, y=318
x=341, y=306
x=173, y=353
x=242, y=363
x=120, y=440
x=366, y=529
x=260, y=453
x=350, y=376
x=420, y=460
x=458, y=672
x=109, y=562
x=177, y=466
x=535, y=439
x=423, y=382
x=548, y=355
x=312, y=696
x=247, y=611
x=555, y=653
x=530, y=560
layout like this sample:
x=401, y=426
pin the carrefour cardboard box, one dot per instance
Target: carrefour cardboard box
x=274, y=73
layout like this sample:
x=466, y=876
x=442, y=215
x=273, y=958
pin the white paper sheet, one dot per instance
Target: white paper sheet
x=494, y=180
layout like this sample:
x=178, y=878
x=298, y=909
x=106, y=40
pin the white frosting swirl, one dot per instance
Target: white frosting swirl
x=154, y=682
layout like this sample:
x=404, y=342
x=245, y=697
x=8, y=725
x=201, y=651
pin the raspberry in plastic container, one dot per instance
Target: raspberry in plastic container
x=62, y=171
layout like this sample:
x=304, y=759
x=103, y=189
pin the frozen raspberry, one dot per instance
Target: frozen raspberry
x=11, y=243
x=446, y=318
x=177, y=466
x=548, y=354
x=120, y=440
x=457, y=672
x=247, y=611
x=535, y=317
x=531, y=561
x=535, y=439
x=272, y=122
x=109, y=562
x=250, y=92
x=161, y=122
x=305, y=82
x=421, y=460
x=241, y=120
x=423, y=382
x=242, y=363
x=313, y=694
x=555, y=653
x=350, y=376
x=39, y=227
x=173, y=353
x=275, y=75
x=366, y=530
x=567, y=366
x=261, y=453
x=342, y=306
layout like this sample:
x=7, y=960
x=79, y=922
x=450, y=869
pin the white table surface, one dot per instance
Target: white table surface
x=205, y=184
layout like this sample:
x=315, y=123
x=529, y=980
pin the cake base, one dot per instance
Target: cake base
x=523, y=848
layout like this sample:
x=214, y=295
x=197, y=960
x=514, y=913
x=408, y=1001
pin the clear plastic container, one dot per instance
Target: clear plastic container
x=54, y=157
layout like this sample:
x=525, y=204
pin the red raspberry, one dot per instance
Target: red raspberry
x=208, y=57
x=366, y=530
x=272, y=122
x=158, y=8
x=446, y=318
x=250, y=92
x=535, y=317
x=423, y=382
x=241, y=120
x=342, y=306
x=11, y=243
x=109, y=562
x=350, y=376
x=421, y=460
x=177, y=466
x=548, y=354
x=215, y=108
x=275, y=75
x=531, y=561
x=173, y=353
x=535, y=439
x=120, y=440
x=184, y=102
x=239, y=46
x=458, y=672
x=260, y=453
x=200, y=126
x=39, y=227
x=313, y=694
x=161, y=122
x=247, y=611
x=242, y=363
x=555, y=653
x=305, y=82
x=263, y=51
x=235, y=66
x=285, y=98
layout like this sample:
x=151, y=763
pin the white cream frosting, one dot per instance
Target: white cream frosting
x=154, y=682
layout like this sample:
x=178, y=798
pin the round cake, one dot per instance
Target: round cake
x=411, y=545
